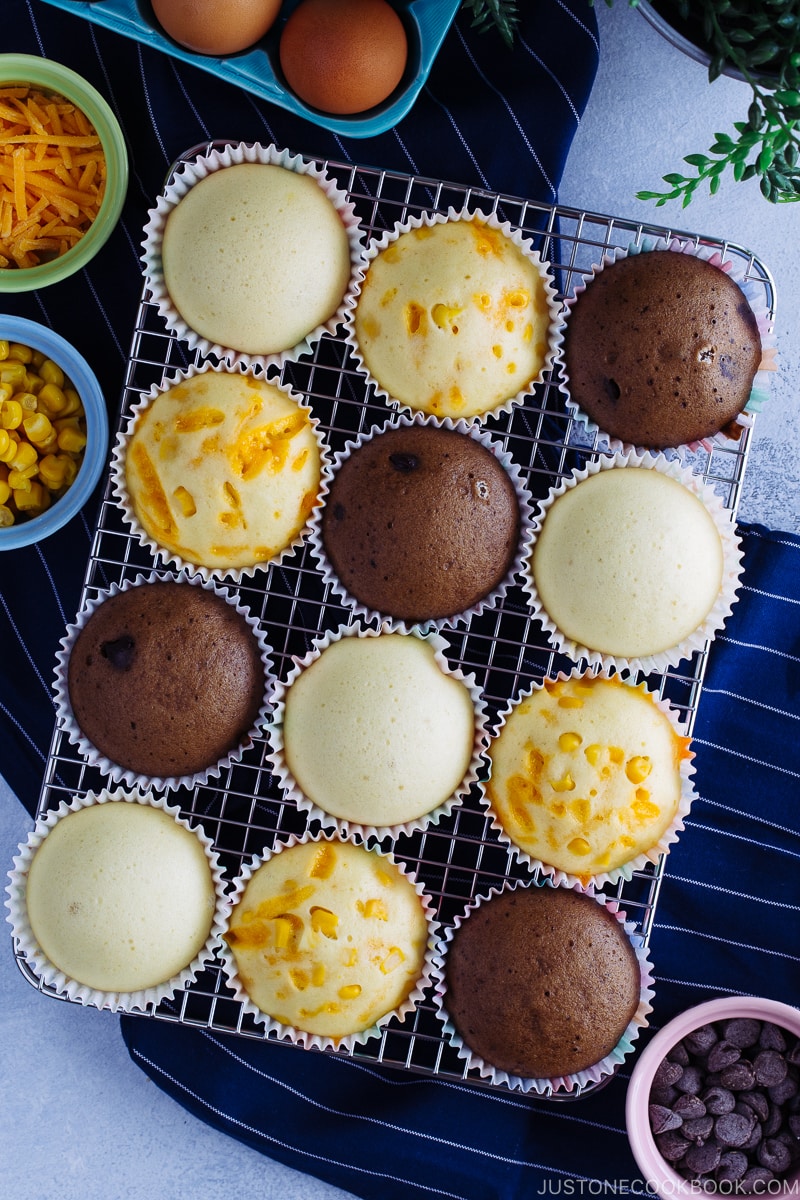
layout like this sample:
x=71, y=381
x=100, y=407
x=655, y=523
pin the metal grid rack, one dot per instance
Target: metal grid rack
x=245, y=811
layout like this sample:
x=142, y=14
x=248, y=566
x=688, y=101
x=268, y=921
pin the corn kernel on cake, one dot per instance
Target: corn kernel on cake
x=223, y=469
x=453, y=319
x=120, y=896
x=376, y=732
x=255, y=257
x=586, y=774
x=628, y=562
x=328, y=937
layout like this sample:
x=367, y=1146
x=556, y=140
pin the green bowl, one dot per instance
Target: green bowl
x=51, y=76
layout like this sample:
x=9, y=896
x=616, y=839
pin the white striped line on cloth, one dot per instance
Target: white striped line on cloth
x=348, y=1164
x=769, y=535
x=700, y=986
x=26, y=736
x=460, y=136
x=757, y=646
x=751, y=817
x=759, y=762
x=715, y=887
x=781, y=712
x=740, y=837
x=769, y=595
x=510, y=112
x=713, y=937
x=24, y=646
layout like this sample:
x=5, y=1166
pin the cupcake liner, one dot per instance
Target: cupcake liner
x=52, y=976
x=637, y=862
x=578, y=1081
x=184, y=179
x=555, y=327
x=302, y=1037
x=761, y=384
x=731, y=572
x=348, y=828
x=493, y=598
x=65, y=717
x=120, y=487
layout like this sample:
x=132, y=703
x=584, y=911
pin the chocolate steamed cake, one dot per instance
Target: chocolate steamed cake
x=421, y=522
x=661, y=349
x=541, y=981
x=166, y=679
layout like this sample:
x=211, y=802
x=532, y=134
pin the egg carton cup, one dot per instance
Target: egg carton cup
x=525, y=245
x=67, y=722
x=732, y=567
x=650, y=855
x=580, y=1080
x=51, y=975
x=347, y=828
x=301, y=1037
x=192, y=172
x=234, y=574
x=493, y=598
x=760, y=389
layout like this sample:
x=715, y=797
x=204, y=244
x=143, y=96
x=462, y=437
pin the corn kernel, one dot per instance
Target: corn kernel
x=351, y=991
x=4, y=349
x=19, y=482
x=33, y=382
x=5, y=491
x=8, y=446
x=317, y=974
x=565, y=784
x=51, y=373
x=323, y=864
x=33, y=499
x=299, y=978
x=579, y=847
x=393, y=960
x=53, y=399
x=73, y=407
x=12, y=372
x=24, y=457
x=324, y=921
x=11, y=414
x=6, y=517
x=569, y=742
x=38, y=430
x=373, y=908
x=638, y=768
x=185, y=501
x=52, y=471
x=570, y=702
x=71, y=439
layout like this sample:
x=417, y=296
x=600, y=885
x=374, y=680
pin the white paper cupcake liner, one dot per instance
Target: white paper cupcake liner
x=52, y=976
x=66, y=720
x=606, y=1067
x=185, y=178
x=170, y=558
x=493, y=598
x=761, y=384
x=302, y=1037
x=732, y=569
x=638, y=862
x=555, y=328
x=348, y=828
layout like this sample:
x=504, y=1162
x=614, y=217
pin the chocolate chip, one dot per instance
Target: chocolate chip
x=120, y=653
x=663, y=1118
x=742, y=1031
x=794, y=1124
x=703, y=1159
x=732, y=1129
x=773, y=1120
x=679, y=1054
x=722, y=1055
x=666, y=1096
x=772, y=1037
x=700, y=1041
x=698, y=1129
x=732, y=1166
x=689, y=1107
x=793, y=1054
x=405, y=463
x=691, y=1081
x=755, y=1180
x=666, y=1073
x=779, y=1093
x=718, y=1100
x=757, y=1101
x=672, y=1145
x=774, y=1154
x=755, y=1139
x=739, y=1076
x=770, y=1067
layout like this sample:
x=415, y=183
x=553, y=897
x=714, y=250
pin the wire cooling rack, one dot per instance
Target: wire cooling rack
x=245, y=811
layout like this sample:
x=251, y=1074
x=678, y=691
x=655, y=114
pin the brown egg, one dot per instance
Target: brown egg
x=343, y=56
x=216, y=27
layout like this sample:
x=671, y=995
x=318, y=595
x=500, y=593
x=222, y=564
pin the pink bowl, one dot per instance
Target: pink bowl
x=661, y=1179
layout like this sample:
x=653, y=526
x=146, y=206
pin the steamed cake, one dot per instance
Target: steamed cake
x=629, y=562
x=165, y=679
x=255, y=257
x=541, y=982
x=328, y=937
x=223, y=469
x=661, y=349
x=376, y=732
x=421, y=522
x=453, y=319
x=120, y=896
x=586, y=774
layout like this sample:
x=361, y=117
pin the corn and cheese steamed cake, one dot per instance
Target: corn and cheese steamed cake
x=453, y=318
x=375, y=731
x=120, y=896
x=255, y=257
x=328, y=937
x=629, y=562
x=222, y=469
x=586, y=774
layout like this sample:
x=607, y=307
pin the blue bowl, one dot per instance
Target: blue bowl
x=257, y=69
x=39, y=337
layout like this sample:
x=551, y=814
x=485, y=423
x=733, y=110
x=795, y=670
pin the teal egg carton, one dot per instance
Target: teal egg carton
x=258, y=71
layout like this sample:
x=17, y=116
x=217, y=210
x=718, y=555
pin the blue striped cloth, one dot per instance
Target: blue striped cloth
x=728, y=904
